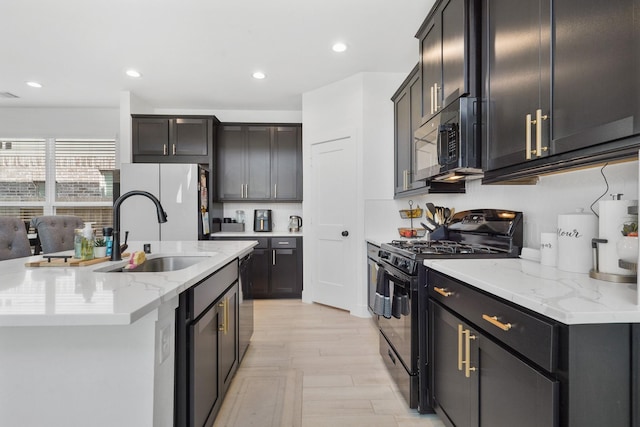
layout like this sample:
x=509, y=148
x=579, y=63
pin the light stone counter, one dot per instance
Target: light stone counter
x=46, y=296
x=569, y=298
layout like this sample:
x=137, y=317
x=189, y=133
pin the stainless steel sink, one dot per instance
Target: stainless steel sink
x=159, y=264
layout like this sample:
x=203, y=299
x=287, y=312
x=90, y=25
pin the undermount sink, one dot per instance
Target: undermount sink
x=159, y=264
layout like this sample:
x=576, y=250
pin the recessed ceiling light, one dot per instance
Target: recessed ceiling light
x=34, y=84
x=339, y=47
x=133, y=73
x=259, y=75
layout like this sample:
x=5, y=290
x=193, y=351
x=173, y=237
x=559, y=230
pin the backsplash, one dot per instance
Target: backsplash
x=281, y=213
x=540, y=203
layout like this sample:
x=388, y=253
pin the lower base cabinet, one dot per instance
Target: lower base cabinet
x=477, y=383
x=206, y=347
x=276, y=266
x=496, y=364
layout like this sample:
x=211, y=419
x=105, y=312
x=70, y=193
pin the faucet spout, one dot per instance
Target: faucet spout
x=162, y=217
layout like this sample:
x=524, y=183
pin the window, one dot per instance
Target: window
x=57, y=177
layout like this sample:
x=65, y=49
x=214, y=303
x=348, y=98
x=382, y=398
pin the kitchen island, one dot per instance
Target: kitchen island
x=85, y=347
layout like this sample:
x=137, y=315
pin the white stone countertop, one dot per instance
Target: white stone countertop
x=55, y=296
x=569, y=298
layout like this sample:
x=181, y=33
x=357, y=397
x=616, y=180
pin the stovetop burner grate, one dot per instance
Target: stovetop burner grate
x=435, y=247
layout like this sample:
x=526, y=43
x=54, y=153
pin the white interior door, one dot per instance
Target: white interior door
x=334, y=204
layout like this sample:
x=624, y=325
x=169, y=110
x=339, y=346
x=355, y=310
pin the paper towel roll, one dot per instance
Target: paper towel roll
x=613, y=214
x=575, y=232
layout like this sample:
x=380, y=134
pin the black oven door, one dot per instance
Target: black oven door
x=400, y=328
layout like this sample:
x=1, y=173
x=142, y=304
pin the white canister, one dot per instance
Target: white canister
x=548, y=249
x=575, y=232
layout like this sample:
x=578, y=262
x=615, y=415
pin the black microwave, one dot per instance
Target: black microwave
x=447, y=147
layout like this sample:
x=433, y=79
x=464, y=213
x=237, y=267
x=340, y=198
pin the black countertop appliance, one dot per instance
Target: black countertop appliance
x=262, y=220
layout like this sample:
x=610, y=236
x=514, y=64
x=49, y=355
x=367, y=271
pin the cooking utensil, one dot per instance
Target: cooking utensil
x=452, y=212
x=431, y=209
x=429, y=226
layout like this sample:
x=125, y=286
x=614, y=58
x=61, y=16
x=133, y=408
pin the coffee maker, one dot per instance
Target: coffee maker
x=262, y=220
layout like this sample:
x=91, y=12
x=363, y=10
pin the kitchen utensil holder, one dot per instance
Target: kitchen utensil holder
x=440, y=233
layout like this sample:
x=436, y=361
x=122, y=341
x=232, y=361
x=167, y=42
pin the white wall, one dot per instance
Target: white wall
x=59, y=122
x=359, y=105
x=540, y=203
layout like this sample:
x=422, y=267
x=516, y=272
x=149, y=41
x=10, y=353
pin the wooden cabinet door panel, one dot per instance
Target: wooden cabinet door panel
x=150, y=136
x=228, y=336
x=431, y=69
x=454, y=394
x=190, y=137
x=231, y=162
x=512, y=393
x=284, y=273
x=286, y=163
x=454, y=47
x=596, y=60
x=516, y=75
x=258, y=158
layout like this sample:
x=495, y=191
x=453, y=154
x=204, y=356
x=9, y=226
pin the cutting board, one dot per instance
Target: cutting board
x=71, y=262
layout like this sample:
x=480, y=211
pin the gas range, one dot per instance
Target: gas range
x=478, y=233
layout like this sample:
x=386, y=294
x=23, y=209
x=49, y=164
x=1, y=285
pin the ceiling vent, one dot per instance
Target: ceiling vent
x=8, y=95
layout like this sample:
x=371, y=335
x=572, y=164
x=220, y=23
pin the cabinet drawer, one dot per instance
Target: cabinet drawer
x=210, y=289
x=531, y=336
x=283, y=242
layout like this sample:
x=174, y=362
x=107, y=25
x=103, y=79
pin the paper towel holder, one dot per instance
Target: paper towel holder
x=595, y=273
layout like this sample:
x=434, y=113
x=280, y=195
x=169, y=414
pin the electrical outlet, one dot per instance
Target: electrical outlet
x=165, y=343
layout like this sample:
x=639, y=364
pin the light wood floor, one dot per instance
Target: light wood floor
x=309, y=365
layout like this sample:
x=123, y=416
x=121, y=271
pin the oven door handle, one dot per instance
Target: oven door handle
x=396, y=279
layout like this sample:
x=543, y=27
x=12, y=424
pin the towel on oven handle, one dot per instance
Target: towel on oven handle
x=382, y=299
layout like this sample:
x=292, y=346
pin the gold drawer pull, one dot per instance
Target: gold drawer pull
x=442, y=291
x=495, y=322
x=467, y=353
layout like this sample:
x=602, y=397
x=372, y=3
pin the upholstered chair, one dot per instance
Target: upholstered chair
x=14, y=242
x=56, y=232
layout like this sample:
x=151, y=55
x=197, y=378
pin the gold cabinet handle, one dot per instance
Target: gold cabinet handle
x=495, y=322
x=432, y=98
x=173, y=149
x=225, y=316
x=275, y=191
x=442, y=291
x=460, y=332
x=528, y=137
x=435, y=97
x=467, y=353
x=164, y=149
x=538, y=123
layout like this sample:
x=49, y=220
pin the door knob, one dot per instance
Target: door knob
x=345, y=233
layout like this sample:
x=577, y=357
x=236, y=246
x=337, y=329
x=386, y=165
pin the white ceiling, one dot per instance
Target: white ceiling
x=198, y=54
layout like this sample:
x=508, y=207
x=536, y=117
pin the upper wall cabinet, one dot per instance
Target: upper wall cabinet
x=259, y=162
x=170, y=139
x=407, y=104
x=448, y=49
x=561, y=84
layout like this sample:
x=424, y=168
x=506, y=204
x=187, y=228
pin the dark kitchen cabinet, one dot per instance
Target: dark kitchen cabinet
x=276, y=268
x=259, y=162
x=206, y=346
x=448, y=54
x=477, y=383
x=407, y=103
x=169, y=139
x=497, y=364
x=568, y=95
x=286, y=163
